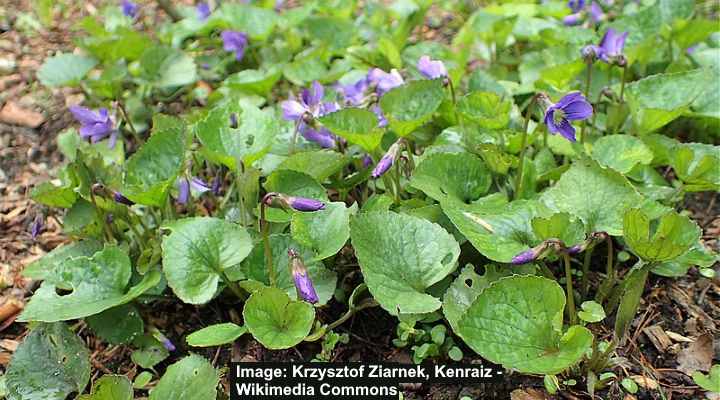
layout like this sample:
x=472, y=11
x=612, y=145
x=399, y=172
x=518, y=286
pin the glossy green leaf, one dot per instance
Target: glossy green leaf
x=65, y=69
x=497, y=229
x=357, y=125
x=410, y=106
x=487, y=109
x=325, y=232
x=658, y=99
x=152, y=170
x=248, y=142
x=596, y=195
x=319, y=164
x=662, y=240
x=517, y=322
x=192, y=378
x=45, y=266
x=110, y=387
x=255, y=269
x=459, y=177
x=216, y=335
x=96, y=284
x=118, y=325
x=196, y=253
x=276, y=321
x=401, y=257
x=621, y=152
x=64, y=359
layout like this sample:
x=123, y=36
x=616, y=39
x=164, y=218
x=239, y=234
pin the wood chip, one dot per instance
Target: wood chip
x=528, y=394
x=678, y=337
x=645, y=382
x=14, y=114
x=658, y=337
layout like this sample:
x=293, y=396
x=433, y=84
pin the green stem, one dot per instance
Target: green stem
x=569, y=288
x=126, y=117
x=234, y=287
x=523, y=148
x=622, y=84
x=349, y=313
x=588, y=80
x=265, y=227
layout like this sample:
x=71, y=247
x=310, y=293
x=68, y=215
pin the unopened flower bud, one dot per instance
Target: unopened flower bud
x=303, y=283
x=387, y=160
x=120, y=199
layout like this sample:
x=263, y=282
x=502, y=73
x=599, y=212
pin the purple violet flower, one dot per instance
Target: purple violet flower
x=354, y=93
x=572, y=19
x=303, y=283
x=576, y=5
x=217, y=184
x=612, y=45
x=203, y=11
x=431, y=69
x=183, y=186
x=37, y=226
x=382, y=121
x=387, y=160
x=95, y=126
x=120, y=199
x=525, y=257
x=305, y=204
x=367, y=161
x=308, y=107
x=572, y=107
x=129, y=9
x=198, y=185
x=322, y=136
x=235, y=41
x=384, y=81
x=596, y=12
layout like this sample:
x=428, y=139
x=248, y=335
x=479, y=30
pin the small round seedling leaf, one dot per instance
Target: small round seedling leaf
x=192, y=378
x=621, y=152
x=459, y=177
x=410, y=106
x=110, y=387
x=709, y=382
x=216, y=335
x=149, y=351
x=49, y=364
x=401, y=256
x=276, y=321
x=142, y=380
x=197, y=251
x=517, y=322
x=591, y=312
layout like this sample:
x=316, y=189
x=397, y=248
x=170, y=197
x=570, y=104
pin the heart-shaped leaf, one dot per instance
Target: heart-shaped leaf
x=168, y=68
x=357, y=125
x=254, y=81
x=118, y=325
x=196, y=253
x=41, y=268
x=487, y=109
x=276, y=321
x=621, y=152
x=319, y=164
x=96, y=283
x=459, y=177
x=559, y=226
x=110, y=387
x=65, y=365
x=670, y=237
x=596, y=195
x=517, y=322
x=697, y=165
x=65, y=70
x=401, y=257
x=192, y=378
x=216, y=335
x=325, y=232
x=410, y=106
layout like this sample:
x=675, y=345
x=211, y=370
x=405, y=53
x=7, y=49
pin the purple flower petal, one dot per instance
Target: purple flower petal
x=120, y=199
x=314, y=95
x=385, y=81
x=234, y=41
x=198, y=185
x=596, y=13
x=383, y=165
x=322, y=137
x=183, y=186
x=572, y=19
x=203, y=11
x=576, y=5
x=524, y=257
x=431, y=69
x=37, y=226
x=85, y=115
x=578, y=110
x=292, y=110
x=305, y=204
x=129, y=9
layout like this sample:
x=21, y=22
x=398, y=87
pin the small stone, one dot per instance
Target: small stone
x=14, y=114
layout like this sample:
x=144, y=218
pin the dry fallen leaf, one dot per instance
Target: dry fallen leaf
x=678, y=337
x=645, y=382
x=697, y=356
x=528, y=394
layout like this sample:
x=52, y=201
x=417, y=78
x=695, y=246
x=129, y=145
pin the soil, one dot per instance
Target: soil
x=675, y=313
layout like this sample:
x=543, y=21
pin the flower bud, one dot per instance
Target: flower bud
x=120, y=199
x=387, y=160
x=305, y=204
x=303, y=283
x=37, y=226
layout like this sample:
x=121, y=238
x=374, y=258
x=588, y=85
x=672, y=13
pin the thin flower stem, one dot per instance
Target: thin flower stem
x=569, y=288
x=609, y=269
x=588, y=81
x=126, y=117
x=349, y=313
x=396, y=178
x=294, y=139
x=234, y=287
x=264, y=229
x=458, y=117
x=523, y=147
x=622, y=84
x=586, y=271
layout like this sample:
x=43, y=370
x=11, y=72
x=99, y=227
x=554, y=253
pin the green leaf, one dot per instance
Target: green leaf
x=459, y=177
x=497, y=229
x=325, y=232
x=45, y=266
x=192, y=378
x=697, y=165
x=410, y=106
x=255, y=269
x=254, y=81
x=149, y=351
x=168, y=68
x=621, y=152
x=659, y=99
x=197, y=252
x=257, y=22
x=336, y=33
x=276, y=321
x=248, y=142
x=662, y=240
x=319, y=164
x=596, y=195
x=709, y=382
x=357, y=125
x=292, y=183
x=53, y=196
x=591, y=312
x=401, y=257
x=110, y=387
x=216, y=335
x=65, y=70
x=153, y=169
x=64, y=359
x=118, y=325
x=142, y=379
x=488, y=109
x=632, y=288
x=97, y=283
x=517, y=322
x=559, y=226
